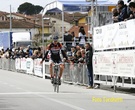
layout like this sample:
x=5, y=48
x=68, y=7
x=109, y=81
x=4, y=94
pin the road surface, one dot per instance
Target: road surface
x=19, y=91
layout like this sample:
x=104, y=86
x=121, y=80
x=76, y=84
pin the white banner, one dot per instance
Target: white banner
x=118, y=63
x=29, y=65
x=102, y=63
x=23, y=63
x=98, y=37
x=122, y=35
x=125, y=63
x=95, y=64
x=17, y=63
x=38, y=68
x=131, y=32
x=117, y=35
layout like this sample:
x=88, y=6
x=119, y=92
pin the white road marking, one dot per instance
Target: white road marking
x=40, y=94
x=7, y=108
x=63, y=103
x=32, y=93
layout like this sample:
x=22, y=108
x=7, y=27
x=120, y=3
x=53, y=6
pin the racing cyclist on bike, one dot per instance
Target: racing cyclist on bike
x=55, y=49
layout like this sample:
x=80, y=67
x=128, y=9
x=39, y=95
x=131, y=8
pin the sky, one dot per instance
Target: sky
x=5, y=4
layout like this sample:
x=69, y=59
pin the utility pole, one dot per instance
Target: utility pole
x=10, y=20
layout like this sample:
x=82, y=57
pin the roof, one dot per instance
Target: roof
x=3, y=13
x=68, y=17
x=75, y=29
x=18, y=24
x=23, y=15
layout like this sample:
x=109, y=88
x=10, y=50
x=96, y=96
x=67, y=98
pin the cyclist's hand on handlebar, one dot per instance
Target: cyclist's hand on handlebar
x=41, y=62
x=65, y=60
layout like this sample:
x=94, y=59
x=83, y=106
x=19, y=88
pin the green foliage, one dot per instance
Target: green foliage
x=29, y=9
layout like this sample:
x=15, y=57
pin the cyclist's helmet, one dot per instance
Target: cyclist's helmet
x=55, y=38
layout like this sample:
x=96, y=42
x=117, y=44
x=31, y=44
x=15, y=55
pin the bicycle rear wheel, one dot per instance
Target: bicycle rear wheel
x=55, y=85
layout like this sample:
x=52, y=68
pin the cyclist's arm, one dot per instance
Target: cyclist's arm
x=64, y=54
x=45, y=57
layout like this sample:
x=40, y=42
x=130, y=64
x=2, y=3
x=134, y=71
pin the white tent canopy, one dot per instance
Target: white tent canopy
x=74, y=5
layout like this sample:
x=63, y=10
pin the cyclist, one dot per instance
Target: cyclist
x=55, y=51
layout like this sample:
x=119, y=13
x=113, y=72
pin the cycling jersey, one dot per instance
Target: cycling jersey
x=55, y=50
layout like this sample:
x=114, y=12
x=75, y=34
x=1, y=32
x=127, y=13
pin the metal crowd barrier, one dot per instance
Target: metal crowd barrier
x=7, y=64
x=73, y=73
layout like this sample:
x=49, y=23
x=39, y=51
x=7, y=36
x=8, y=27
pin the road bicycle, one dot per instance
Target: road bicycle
x=56, y=67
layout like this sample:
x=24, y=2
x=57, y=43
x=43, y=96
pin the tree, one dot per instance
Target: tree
x=29, y=9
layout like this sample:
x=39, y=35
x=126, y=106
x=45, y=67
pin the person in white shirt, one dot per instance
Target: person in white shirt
x=82, y=37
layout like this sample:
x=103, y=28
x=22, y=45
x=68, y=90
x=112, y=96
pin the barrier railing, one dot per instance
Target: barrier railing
x=73, y=73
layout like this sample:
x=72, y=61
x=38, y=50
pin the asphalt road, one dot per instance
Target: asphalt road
x=20, y=91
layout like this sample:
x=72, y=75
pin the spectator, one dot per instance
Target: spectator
x=88, y=61
x=74, y=39
x=115, y=14
x=35, y=54
x=68, y=40
x=82, y=36
x=21, y=52
x=132, y=8
x=82, y=59
x=30, y=51
x=78, y=56
x=123, y=14
x=40, y=55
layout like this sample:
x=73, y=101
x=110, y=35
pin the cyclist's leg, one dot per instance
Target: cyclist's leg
x=51, y=71
x=51, y=68
x=61, y=70
x=60, y=74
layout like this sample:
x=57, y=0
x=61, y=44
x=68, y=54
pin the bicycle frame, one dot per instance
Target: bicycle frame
x=56, y=77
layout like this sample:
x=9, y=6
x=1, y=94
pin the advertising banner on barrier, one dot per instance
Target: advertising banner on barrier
x=98, y=37
x=95, y=64
x=102, y=63
x=119, y=63
x=110, y=36
x=17, y=63
x=131, y=32
x=23, y=63
x=38, y=68
x=122, y=36
x=29, y=65
x=117, y=35
x=125, y=63
x=114, y=63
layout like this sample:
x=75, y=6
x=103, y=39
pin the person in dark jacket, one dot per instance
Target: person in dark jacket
x=88, y=60
x=123, y=14
x=132, y=8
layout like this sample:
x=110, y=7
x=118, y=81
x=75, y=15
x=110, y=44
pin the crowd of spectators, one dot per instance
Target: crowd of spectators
x=21, y=52
x=123, y=11
x=77, y=53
